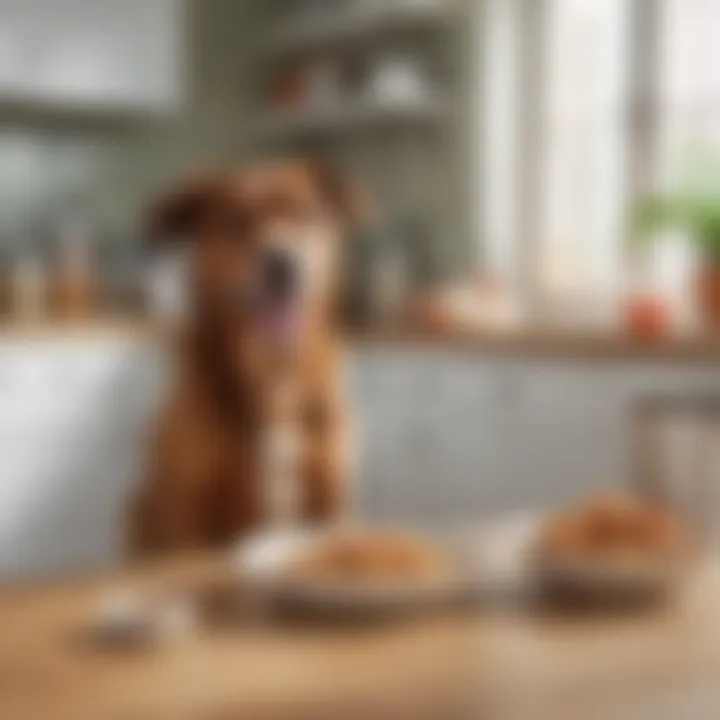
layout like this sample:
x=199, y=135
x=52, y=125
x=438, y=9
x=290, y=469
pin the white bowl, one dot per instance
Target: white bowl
x=262, y=562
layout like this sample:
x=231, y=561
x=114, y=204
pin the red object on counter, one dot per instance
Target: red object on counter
x=648, y=318
x=425, y=312
x=288, y=91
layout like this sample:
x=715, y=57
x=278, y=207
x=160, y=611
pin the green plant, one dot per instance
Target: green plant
x=697, y=215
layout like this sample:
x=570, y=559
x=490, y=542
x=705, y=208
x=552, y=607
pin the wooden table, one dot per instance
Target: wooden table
x=500, y=663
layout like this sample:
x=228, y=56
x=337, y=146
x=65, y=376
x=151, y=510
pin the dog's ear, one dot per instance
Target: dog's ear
x=344, y=197
x=178, y=214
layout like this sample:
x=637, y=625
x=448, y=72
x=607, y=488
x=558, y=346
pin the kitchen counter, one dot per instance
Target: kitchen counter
x=524, y=343
x=101, y=328
x=562, y=345
x=469, y=664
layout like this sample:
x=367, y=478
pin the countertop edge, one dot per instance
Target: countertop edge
x=522, y=343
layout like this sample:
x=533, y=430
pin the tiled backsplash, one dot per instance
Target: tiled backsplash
x=42, y=170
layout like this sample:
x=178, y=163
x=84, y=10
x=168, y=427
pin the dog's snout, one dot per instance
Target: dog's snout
x=280, y=272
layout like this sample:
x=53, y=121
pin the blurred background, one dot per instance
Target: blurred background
x=539, y=285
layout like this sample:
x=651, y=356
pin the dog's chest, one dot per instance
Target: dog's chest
x=281, y=450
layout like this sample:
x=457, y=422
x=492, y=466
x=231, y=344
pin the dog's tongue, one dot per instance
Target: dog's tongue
x=282, y=322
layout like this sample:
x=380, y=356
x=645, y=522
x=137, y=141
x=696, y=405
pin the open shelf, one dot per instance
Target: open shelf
x=40, y=109
x=350, y=116
x=358, y=26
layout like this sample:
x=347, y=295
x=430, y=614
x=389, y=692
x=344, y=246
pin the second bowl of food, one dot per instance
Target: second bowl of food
x=612, y=548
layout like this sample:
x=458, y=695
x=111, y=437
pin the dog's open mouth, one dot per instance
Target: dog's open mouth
x=282, y=320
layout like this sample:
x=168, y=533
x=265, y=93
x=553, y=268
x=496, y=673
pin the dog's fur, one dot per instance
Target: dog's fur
x=256, y=431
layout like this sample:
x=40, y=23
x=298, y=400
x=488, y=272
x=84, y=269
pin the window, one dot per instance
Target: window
x=689, y=88
x=586, y=105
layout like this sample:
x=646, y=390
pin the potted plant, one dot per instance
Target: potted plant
x=699, y=217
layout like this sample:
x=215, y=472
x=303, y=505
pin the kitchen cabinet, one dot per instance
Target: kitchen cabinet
x=560, y=434
x=450, y=437
x=427, y=435
x=91, y=54
x=73, y=421
x=453, y=436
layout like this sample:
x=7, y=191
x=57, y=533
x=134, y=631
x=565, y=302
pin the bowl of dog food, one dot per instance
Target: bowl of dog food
x=354, y=570
x=612, y=548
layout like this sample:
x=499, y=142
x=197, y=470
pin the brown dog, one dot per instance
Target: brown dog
x=256, y=431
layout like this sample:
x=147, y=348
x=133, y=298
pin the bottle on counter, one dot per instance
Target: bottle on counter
x=166, y=286
x=389, y=285
x=6, y=277
x=75, y=282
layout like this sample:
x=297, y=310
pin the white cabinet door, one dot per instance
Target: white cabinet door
x=451, y=436
x=73, y=426
x=563, y=433
x=92, y=53
x=427, y=435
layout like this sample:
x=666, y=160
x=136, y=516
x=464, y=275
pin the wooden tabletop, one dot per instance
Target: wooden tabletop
x=489, y=663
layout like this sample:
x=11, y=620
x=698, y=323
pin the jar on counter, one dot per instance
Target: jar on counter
x=168, y=297
x=28, y=285
x=677, y=456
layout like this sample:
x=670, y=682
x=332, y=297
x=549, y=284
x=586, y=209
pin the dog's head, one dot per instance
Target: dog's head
x=266, y=247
